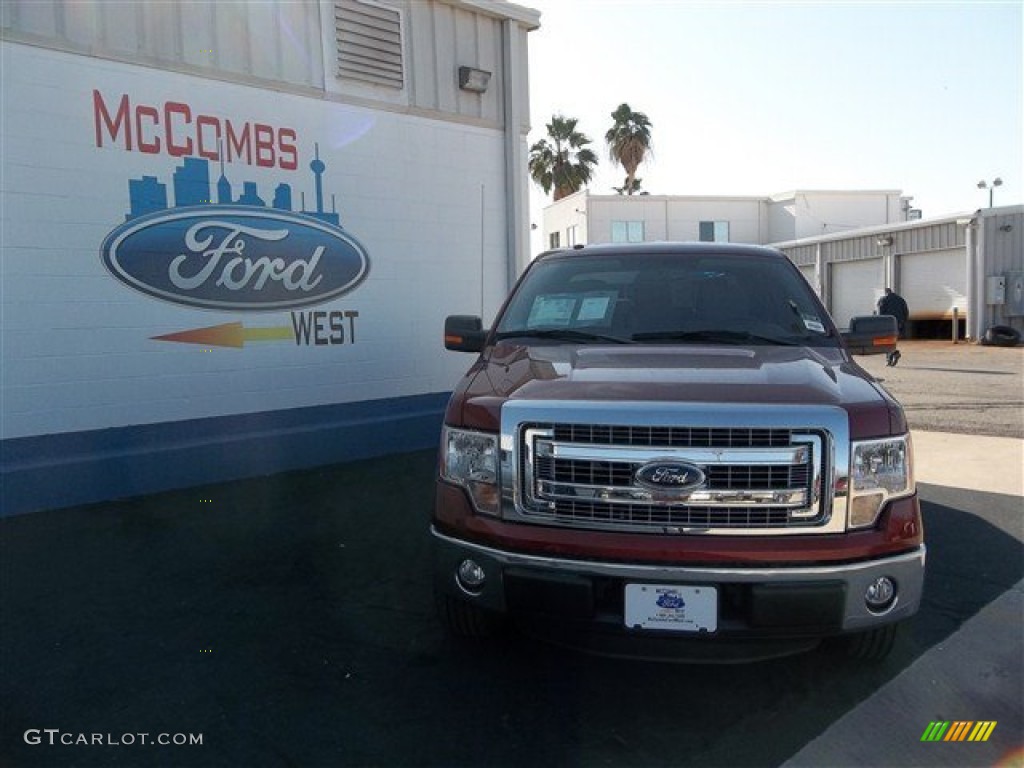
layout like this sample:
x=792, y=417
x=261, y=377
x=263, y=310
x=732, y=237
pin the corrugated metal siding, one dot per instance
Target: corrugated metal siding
x=1004, y=243
x=802, y=255
x=1002, y=237
x=936, y=237
x=854, y=249
x=999, y=239
x=400, y=53
x=369, y=43
x=445, y=37
x=274, y=40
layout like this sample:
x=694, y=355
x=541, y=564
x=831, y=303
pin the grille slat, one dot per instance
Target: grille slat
x=673, y=437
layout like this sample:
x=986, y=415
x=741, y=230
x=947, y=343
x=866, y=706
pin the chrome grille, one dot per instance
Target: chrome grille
x=754, y=478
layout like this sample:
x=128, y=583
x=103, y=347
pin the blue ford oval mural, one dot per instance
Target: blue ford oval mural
x=235, y=257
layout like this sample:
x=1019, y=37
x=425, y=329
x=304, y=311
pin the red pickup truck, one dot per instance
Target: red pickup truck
x=667, y=450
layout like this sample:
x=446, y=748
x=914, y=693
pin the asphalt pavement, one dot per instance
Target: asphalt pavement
x=956, y=388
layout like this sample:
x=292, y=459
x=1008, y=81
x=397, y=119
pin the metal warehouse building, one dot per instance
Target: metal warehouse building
x=968, y=266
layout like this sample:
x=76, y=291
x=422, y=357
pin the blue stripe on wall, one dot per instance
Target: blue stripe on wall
x=64, y=470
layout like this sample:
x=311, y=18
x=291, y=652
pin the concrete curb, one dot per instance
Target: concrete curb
x=971, y=462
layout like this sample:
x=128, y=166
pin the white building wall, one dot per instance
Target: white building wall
x=813, y=213
x=425, y=198
x=605, y=209
x=781, y=220
x=744, y=216
x=759, y=220
x=572, y=211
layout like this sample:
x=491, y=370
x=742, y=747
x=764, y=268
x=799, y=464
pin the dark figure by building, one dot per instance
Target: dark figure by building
x=893, y=304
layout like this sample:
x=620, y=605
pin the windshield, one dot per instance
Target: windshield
x=666, y=298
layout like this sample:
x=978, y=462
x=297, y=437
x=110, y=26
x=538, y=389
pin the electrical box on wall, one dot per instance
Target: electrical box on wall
x=1014, y=294
x=995, y=289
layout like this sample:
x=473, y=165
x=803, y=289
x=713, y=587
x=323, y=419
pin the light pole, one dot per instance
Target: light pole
x=996, y=182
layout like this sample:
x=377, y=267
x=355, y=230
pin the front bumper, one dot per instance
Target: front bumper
x=778, y=602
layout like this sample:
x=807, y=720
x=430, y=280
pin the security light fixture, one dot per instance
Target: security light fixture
x=996, y=182
x=475, y=80
x=884, y=240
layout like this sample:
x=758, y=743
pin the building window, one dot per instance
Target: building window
x=627, y=231
x=714, y=231
x=571, y=236
x=554, y=240
x=369, y=43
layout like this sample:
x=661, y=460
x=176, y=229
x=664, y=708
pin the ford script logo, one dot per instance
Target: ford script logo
x=235, y=258
x=670, y=476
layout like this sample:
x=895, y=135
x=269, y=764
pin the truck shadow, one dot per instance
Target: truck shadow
x=289, y=620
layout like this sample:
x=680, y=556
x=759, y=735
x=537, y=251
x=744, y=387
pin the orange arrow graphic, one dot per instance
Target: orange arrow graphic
x=227, y=335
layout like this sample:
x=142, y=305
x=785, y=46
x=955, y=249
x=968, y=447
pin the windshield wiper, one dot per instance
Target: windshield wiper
x=720, y=337
x=561, y=334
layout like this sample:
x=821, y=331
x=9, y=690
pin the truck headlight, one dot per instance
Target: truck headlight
x=880, y=470
x=470, y=459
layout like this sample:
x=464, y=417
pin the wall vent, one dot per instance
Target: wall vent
x=369, y=43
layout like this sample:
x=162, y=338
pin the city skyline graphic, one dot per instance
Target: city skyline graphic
x=192, y=187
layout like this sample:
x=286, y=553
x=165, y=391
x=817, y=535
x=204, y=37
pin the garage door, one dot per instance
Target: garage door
x=933, y=283
x=856, y=287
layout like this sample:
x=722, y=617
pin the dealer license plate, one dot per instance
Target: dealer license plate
x=671, y=607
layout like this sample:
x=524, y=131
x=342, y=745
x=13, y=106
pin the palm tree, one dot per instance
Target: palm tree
x=629, y=142
x=629, y=188
x=562, y=161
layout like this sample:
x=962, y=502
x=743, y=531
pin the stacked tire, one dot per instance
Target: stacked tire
x=1001, y=336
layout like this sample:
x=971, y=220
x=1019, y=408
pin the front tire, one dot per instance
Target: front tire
x=464, y=619
x=873, y=645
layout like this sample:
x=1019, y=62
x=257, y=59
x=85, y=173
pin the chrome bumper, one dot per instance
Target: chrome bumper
x=906, y=569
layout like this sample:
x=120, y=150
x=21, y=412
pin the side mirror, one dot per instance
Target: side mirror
x=872, y=335
x=464, y=333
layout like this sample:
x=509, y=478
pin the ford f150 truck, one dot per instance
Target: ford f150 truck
x=667, y=450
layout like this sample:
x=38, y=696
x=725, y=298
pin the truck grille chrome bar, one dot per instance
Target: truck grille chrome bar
x=750, y=478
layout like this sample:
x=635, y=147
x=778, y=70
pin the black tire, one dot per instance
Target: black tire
x=1001, y=336
x=464, y=619
x=873, y=645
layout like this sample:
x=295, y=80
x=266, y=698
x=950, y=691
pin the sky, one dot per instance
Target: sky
x=755, y=98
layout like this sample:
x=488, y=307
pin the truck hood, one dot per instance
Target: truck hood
x=691, y=373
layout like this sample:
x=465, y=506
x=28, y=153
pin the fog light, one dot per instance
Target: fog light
x=880, y=594
x=470, y=576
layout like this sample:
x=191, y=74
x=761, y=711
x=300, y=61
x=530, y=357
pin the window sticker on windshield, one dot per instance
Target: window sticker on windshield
x=553, y=309
x=812, y=323
x=560, y=310
x=594, y=308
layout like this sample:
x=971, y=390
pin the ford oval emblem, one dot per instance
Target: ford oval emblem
x=235, y=258
x=676, y=476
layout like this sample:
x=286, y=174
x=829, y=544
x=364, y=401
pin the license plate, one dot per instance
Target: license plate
x=671, y=607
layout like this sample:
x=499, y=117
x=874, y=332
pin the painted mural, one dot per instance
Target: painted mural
x=219, y=245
